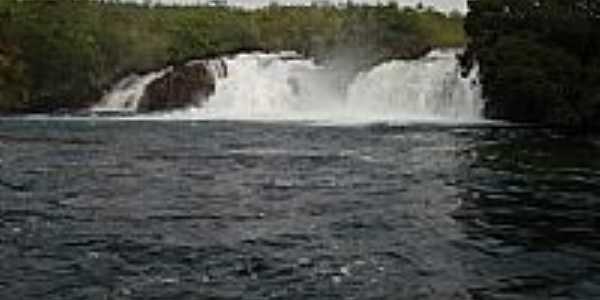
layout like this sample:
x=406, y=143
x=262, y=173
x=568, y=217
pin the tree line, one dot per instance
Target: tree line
x=539, y=59
x=63, y=54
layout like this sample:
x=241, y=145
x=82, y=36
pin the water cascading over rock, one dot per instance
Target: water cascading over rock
x=425, y=88
x=260, y=86
x=126, y=94
x=266, y=87
x=175, y=87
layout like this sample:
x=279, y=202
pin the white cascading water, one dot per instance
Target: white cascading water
x=283, y=86
x=275, y=87
x=430, y=88
x=266, y=86
x=125, y=95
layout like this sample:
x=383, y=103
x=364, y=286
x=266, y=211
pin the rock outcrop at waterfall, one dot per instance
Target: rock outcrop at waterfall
x=182, y=86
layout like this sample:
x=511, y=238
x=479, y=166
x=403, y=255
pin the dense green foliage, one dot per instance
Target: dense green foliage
x=539, y=59
x=61, y=54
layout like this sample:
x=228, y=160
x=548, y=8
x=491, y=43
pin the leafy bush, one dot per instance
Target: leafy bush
x=538, y=59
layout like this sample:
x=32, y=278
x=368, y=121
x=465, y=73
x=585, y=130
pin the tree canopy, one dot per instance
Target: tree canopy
x=539, y=59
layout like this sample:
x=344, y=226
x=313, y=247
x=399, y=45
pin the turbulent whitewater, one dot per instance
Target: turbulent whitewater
x=126, y=95
x=262, y=86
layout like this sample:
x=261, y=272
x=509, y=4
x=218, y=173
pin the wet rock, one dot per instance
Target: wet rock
x=183, y=86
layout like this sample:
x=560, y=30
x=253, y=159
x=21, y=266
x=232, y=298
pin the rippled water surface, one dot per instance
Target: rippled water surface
x=218, y=210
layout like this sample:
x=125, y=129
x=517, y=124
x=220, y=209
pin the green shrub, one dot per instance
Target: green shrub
x=539, y=59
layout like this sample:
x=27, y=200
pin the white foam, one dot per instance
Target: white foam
x=271, y=87
x=285, y=87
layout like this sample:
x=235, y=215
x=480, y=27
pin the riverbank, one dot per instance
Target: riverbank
x=63, y=55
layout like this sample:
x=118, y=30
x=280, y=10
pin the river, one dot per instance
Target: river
x=125, y=209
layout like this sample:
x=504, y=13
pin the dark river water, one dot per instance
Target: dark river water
x=225, y=210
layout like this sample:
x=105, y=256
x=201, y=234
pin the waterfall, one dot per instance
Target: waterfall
x=260, y=86
x=426, y=88
x=126, y=94
x=270, y=87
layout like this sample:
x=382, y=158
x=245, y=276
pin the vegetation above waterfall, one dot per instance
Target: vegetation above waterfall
x=539, y=59
x=61, y=54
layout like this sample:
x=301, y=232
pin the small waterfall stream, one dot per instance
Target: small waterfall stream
x=126, y=94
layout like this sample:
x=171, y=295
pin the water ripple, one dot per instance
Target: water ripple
x=209, y=210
